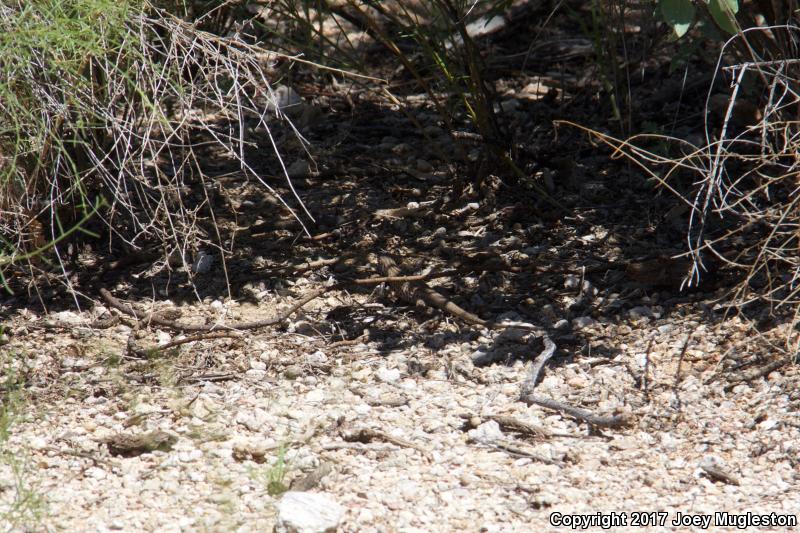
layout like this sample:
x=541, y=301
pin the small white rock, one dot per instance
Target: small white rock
x=388, y=375
x=285, y=99
x=145, y=408
x=188, y=456
x=486, y=433
x=408, y=384
x=255, y=375
x=67, y=317
x=308, y=512
x=163, y=337
x=317, y=358
x=668, y=442
x=362, y=409
x=95, y=472
x=37, y=443
x=315, y=396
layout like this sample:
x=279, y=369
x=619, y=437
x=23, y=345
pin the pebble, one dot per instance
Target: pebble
x=401, y=149
x=38, y=443
x=424, y=166
x=640, y=312
x=486, y=433
x=668, y=442
x=388, y=375
x=299, y=169
x=582, y=322
x=293, y=372
x=285, y=99
x=203, y=262
x=95, y=472
x=67, y=317
x=308, y=512
x=510, y=105
x=188, y=456
x=315, y=396
x=362, y=409
x=317, y=358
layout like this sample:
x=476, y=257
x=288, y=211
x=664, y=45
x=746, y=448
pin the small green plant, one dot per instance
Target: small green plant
x=606, y=28
x=273, y=477
x=26, y=506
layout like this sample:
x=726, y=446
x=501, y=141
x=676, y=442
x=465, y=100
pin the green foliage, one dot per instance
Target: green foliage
x=25, y=508
x=49, y=56
x=277, y=474
x=90, y=93
x=724, y=14
x=274, y=477
x=680, y=15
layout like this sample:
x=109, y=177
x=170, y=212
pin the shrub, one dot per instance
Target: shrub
x=123, y=100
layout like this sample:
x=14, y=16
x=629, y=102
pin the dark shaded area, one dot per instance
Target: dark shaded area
x=599, y=255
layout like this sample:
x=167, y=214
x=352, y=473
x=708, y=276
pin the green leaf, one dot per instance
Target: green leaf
x=679, y=14
x=724, y=14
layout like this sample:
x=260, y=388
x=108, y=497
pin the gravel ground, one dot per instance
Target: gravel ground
x=404, y=435
x=400, y=428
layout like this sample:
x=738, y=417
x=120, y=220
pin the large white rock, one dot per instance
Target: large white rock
x=308, y=512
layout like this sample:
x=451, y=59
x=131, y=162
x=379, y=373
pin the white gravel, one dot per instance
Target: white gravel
x=404, y=434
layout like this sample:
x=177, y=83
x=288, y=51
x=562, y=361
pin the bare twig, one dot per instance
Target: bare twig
x=518, y=451
x=758, y=372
